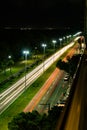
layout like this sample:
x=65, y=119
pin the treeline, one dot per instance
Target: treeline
x=13, y=41
x=69, y=66
x=35, y=121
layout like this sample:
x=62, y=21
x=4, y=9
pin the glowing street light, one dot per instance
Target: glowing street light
x=25, y=52
x=67, y=38
x=9, y=57
x=54, y=42
x=10, y=62
x=60, y=39
x=44, y=46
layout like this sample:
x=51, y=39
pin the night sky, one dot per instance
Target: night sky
x=41, y=13
x=66, y=16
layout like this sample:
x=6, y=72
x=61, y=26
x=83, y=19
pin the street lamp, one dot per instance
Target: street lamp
x=54, y=42
x=36, y=52
x=9, y=57
x=44, y=46
x=63, y=40
x=60, y=39
x=25, y=52
x=67, y=38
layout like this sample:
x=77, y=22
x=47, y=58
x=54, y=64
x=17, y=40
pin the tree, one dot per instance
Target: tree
x=69, y=66
x=10, y=64
x=3, y=66
x=53, y=116
x=63, y=65
x=25, y=121
x=35, y=121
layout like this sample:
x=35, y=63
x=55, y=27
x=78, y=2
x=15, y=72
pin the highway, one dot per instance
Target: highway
x=9, y=96
x=53, y=86
x=54, y=94
x=36, y=99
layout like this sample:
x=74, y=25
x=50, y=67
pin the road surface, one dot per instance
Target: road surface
x=42, y=91
x=34, y=102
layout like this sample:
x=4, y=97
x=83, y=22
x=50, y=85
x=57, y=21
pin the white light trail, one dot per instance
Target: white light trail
x=9, y=95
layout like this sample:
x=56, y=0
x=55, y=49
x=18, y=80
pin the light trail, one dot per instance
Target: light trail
x=11, y=94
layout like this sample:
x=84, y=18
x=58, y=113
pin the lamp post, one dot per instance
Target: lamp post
x=44, y=46
x=67, y=38
x=25, y=52
x=60, y=39
x=36, y=52
x=63, y=40
x=9, y=57
x=54, y=42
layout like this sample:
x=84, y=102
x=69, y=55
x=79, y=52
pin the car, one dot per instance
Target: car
x=66, y=78
x=61, y=105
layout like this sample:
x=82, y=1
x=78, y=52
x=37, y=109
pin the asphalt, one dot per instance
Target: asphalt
x=34, y=102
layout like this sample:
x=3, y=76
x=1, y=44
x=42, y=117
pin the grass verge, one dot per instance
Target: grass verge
x=24, y=99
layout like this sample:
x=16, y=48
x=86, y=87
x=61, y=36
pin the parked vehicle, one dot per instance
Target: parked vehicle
x=66, y=78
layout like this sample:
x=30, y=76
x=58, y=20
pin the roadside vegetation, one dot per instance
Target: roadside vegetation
x=8, y=77
x=20, y=103
x=70, y=66
x=35, y=121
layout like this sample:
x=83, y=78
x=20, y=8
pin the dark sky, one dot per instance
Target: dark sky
x=41, y=12
x=37, y=14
